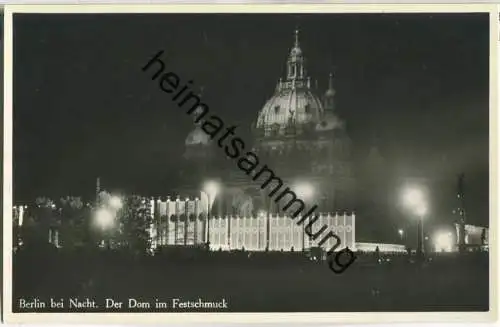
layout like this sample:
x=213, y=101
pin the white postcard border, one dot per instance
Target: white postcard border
x=308, y=318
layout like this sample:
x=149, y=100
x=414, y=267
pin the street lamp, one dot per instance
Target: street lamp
x=115, y=202
x=421, y=211
x=211, y=188
x=401, y=233
x=443, y=242
x=414, y=199
x=305, y=192
x=104, y=218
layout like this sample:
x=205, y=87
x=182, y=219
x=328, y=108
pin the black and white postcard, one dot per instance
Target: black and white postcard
x=241, y=163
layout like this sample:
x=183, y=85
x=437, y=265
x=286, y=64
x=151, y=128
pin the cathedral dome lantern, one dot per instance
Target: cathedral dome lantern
x=294, y=102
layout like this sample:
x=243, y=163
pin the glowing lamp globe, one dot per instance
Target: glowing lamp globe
x=421, y=210
x=413, y=197
x=104, y=218
x=304, y=190
x=211, y=188
x=443, y=242
x=115, y=202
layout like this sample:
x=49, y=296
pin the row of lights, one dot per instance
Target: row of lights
x=413, y=198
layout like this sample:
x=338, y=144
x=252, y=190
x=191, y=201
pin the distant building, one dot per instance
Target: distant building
x=474, y=235
x=383, y=248
x=186, y=222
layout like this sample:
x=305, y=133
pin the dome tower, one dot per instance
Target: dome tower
x=299, y=135
x=293, y=107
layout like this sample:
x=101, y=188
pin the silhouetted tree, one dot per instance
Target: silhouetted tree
x=134, y=225
x=74, y=216
x=39, y=218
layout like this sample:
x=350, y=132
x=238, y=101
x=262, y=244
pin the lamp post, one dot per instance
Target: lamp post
x=304, y=191
x=115, y=202
x=105, y=216
x=401, y=233
x=414, y=199
x=210, y=188
x=421, y=211
x=105, y=220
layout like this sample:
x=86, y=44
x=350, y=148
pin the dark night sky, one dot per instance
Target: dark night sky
x=418, y=84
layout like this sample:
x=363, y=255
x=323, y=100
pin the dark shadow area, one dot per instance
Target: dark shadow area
x=252, y=282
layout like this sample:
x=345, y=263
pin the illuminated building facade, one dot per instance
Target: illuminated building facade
x=185, y=222
x=298, y=135
x=474, y=235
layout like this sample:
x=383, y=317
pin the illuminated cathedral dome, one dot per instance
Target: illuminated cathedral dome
x=293, y=102
x=290, y=104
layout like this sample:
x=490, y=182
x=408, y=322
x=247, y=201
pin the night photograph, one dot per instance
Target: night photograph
x=327, y=162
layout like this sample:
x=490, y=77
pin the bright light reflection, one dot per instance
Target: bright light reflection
x=421, y=210
x=443, y=242
x=211, y=188
x=104, y=218
x=115, y=202
x=304, y=190
x=413, y=197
